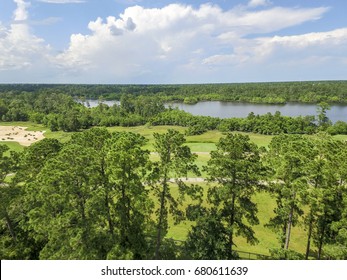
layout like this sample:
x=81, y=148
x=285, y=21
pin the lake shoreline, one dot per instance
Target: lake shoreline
x=228, y=109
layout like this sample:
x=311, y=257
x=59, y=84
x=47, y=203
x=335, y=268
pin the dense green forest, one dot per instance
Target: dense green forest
x=59, y=106
x=102, y=195
x=105, y=195
x=279, y=92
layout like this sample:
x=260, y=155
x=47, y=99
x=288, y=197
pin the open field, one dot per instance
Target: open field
x=13, y=146
x=340, y=137
x=200, y=144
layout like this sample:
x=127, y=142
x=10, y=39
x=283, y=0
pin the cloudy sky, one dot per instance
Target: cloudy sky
x=184, y=41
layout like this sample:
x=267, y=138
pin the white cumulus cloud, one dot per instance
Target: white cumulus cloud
x=21, y=11
x=144, y=42
x=19, y=48
x=256, y=3
x=175, y=43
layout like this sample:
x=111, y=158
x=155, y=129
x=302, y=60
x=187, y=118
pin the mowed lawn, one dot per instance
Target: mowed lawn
x=267, y=239
x=205, y=142
x=13, y=146
x=202, y=145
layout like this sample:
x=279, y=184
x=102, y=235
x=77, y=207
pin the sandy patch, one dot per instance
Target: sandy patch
x=20, y=134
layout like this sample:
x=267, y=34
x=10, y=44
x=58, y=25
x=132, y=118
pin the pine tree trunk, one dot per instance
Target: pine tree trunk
x=232, y=216
x=166, y=163
x=231, y=223
x=283, y=237
x=123, y=229
x=161, y=216
x=309, y=236
x=289, y=226
x=109, y=219
x=107, y=199
x=320, y=244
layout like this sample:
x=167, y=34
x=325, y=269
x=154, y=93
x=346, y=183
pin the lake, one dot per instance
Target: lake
x=93, y=103
x=241, y=110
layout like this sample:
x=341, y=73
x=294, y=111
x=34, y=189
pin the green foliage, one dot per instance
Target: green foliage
x=127, y=164
x=60, y=107
x=197, y=129
x=11, y=238
x=208, y=239
x=68, y=196
x=307, y=173
x=323, y=120
x=102, y=195
x=237, y=169
x=287, y=159
x=175, y=161
x=272, y=93
x=334, y=220
x=336, y=251
x=283, y=254
x=35, y=156
x=339, y=127
x=190, y=100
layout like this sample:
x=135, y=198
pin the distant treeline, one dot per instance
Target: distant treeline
x=279, y=92
x=65, y=107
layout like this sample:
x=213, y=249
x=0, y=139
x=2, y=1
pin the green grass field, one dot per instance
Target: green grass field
x=13, y=146
x=266, y=237
x=340, y=137
x=202, y=145
x=29, y=125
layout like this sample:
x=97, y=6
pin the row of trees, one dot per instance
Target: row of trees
x=271, y=124
x=101, y=196
x=280, y=92
x=59, y=111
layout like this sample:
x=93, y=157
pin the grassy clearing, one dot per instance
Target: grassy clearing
x=266, y=237
x=202, y=161
x=203, y=143
x=259, y=139
x=14, y=146
x=211, y=136
x=146, y=131
x=202, y=147
x=59, y=135
x=198, y=143
x=340, y=137
x=30, y=125
x=180, y=231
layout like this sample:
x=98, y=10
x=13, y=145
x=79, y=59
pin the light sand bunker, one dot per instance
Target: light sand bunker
x=20, y=135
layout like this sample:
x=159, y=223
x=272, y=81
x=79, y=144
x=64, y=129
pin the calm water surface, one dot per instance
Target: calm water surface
x=93, y=103
x=241, y=110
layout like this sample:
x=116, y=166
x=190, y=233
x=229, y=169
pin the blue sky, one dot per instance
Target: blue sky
x=185, y=41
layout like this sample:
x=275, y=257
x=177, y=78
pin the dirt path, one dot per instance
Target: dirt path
x=189, y=180
x=198, y=153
